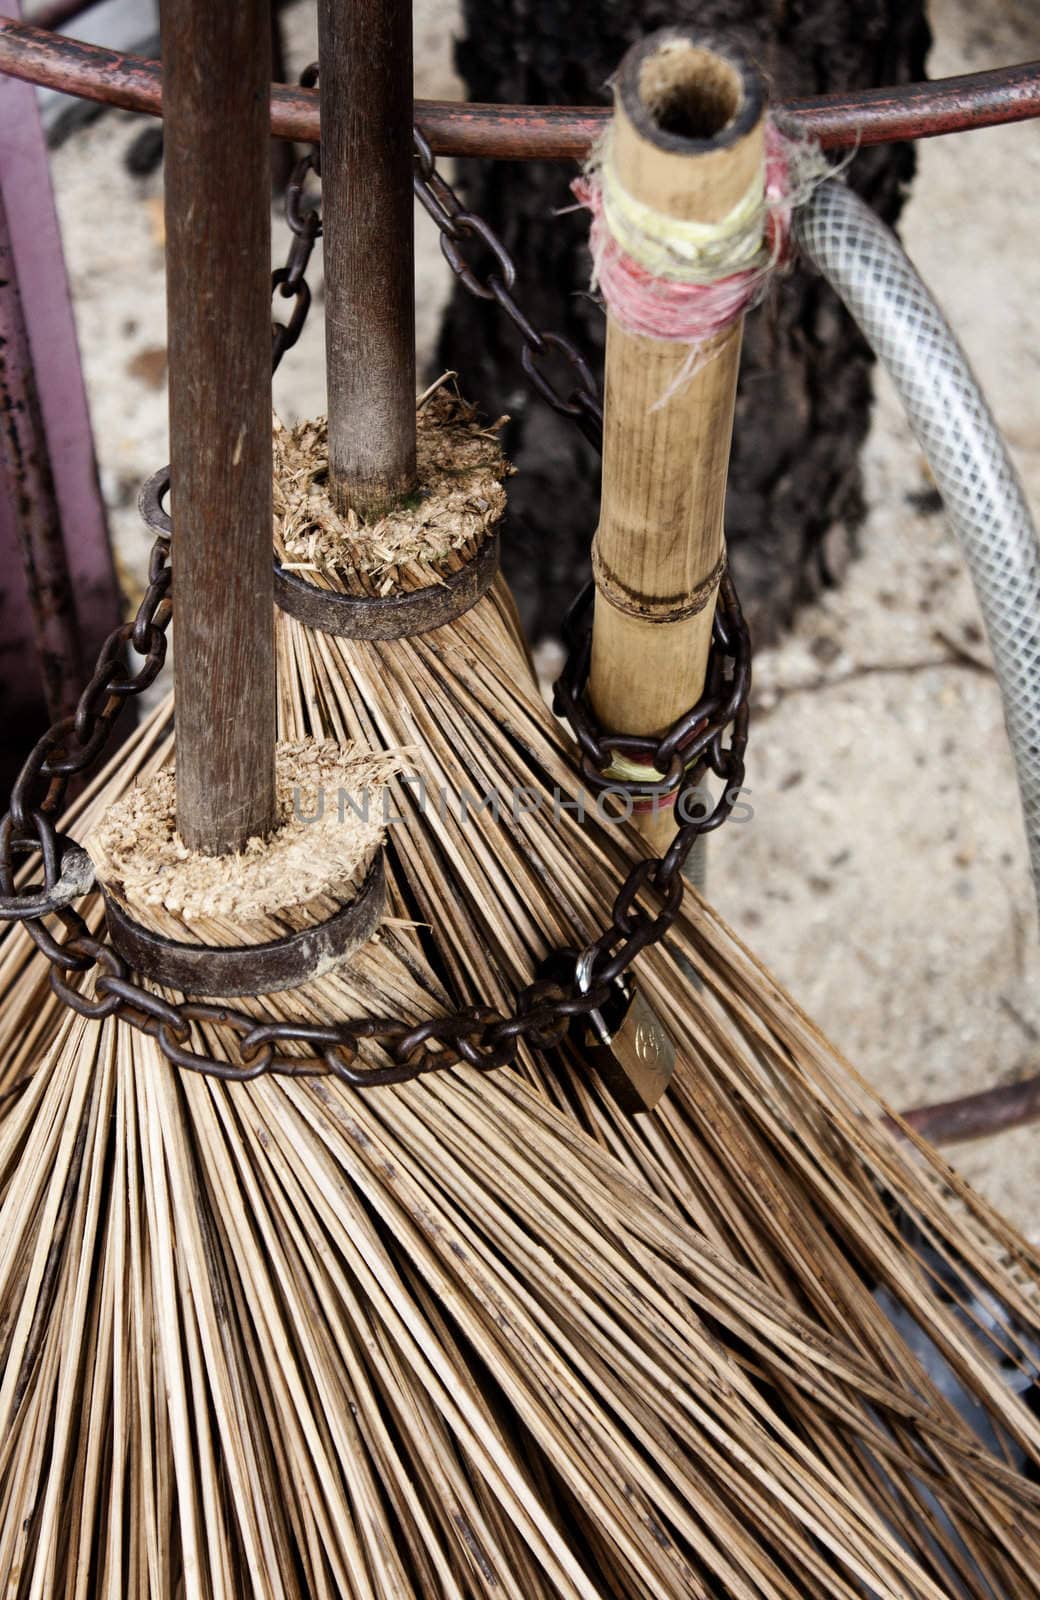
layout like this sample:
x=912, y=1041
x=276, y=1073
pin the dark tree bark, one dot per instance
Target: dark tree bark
x=804, y=406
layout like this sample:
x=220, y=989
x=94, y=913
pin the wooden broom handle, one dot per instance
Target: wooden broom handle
x=217, y=63
x=688, y=141
x=365, y=63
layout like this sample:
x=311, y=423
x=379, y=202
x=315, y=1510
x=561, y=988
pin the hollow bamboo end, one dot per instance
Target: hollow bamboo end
x=689, y=124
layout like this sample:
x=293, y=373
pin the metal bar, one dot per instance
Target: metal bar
x=218, y=255
x=23, y=713
x=977, y=1116
x=545, y=133
x=29, y=482
x=365, y=65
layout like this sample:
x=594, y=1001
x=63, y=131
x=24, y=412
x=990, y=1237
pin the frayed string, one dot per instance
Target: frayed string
x=687, y=282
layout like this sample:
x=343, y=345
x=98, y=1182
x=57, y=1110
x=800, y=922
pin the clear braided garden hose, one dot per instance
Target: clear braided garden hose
x=863, y=261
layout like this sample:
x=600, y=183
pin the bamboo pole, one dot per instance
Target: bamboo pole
x=217, y=61
x=365, y=59
x=688, y=141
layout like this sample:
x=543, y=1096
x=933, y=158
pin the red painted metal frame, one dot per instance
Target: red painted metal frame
x=31, y=502
x=52, y=514
x=542, y=133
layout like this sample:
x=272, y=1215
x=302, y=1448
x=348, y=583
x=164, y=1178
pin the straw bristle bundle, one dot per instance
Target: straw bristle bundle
x=766, y=1140
x=331, y=806
x=421, y=1342
x=458, y=501
x=392, y=1343
x=483, y=1335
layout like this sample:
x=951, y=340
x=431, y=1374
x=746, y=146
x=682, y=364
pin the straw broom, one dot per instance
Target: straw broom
x=758, y=1091
x=505, y=1131
x=603, y=1300
x=268, y=1404
x=244, y=1324
x=217, y=1209
x=479, y=1128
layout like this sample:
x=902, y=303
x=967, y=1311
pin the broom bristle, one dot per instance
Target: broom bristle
x=846, y=1218
x=343, y=1304
x=483, y=1334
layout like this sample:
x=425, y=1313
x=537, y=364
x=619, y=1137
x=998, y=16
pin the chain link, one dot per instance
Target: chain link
x=290, y=282
x=648, y=900
x=683, y=756
x=581, y=401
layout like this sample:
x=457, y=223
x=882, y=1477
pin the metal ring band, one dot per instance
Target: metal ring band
x=150, y=503
x=393, y=616
x=255, y=969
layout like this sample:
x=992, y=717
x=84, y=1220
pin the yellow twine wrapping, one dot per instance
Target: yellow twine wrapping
x=671, y=247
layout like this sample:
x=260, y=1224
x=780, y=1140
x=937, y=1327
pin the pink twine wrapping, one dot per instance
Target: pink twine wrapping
x=692, y=313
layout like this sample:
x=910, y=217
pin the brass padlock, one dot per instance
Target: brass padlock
x=629, y=1044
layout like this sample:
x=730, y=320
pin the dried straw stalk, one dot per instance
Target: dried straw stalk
x=598, y=1284
x=406, y=1254
x=840, y=1213
x=423, y=1341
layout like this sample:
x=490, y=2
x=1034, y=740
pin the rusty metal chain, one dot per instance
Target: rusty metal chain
x=581, y=401
x=694, y=739
x=479, y=1035
x=70, y=748
x=303, y=215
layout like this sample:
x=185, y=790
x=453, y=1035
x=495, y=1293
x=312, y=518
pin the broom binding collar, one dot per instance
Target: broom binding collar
x=480, y=1035
x=391, y=616
x=250, y=969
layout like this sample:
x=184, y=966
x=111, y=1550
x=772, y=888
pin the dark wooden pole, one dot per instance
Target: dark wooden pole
x=365, y=57
x=217, y=65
